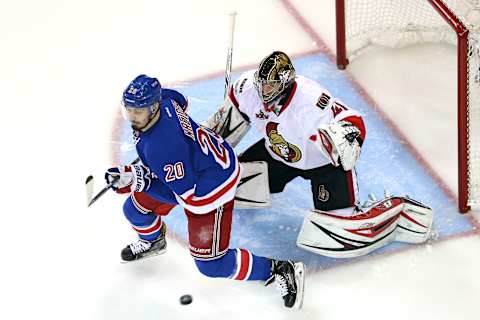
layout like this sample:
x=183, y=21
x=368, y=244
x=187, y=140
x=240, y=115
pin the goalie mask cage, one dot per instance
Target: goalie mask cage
x=361, y=24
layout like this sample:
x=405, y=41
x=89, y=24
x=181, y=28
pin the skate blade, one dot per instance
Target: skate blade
x=300, y=279
x=147, y=256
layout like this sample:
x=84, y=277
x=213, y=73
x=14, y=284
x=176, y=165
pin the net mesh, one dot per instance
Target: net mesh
x=474, y=120
x=400, y=23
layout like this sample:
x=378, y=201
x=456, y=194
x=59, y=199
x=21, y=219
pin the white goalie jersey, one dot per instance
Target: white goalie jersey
x=291, y=132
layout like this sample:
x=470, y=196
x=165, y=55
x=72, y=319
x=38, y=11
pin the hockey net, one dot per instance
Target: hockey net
x=364, y=24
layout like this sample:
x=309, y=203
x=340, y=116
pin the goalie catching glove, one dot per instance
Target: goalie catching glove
x=340, y=142
x=124, y=179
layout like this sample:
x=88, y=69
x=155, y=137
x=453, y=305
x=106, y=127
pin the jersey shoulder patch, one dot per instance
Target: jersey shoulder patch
x=239, y=85
x=323, y=101
x=312, y=94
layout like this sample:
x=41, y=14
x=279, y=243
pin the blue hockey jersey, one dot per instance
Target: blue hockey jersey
x=191, y=165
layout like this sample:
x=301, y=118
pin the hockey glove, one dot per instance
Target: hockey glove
x=142, y=178
x=129, y=178
x=229, y=123
x=340, y=143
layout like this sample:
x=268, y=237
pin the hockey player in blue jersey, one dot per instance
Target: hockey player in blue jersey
x=183, y=163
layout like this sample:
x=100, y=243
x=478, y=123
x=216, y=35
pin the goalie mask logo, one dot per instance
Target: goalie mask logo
x=288, y=152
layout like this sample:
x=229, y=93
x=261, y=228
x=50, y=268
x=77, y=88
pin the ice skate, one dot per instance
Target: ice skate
x=143, y=249
x=289, y=278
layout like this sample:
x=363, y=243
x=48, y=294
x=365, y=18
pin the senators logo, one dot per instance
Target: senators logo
x=285, y=150
x=323, y=194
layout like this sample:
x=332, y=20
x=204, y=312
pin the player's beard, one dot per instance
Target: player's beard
x=137, y=125
x=140, y=125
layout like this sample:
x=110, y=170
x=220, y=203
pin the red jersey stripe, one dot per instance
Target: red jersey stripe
x=197, y=203
x=156, y=226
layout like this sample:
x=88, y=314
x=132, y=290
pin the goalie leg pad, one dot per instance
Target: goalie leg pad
x=392, y=219
x=253, y=189
x=416, y=222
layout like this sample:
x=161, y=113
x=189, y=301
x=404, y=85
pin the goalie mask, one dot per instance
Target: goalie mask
x=274, y=75
x=140, y=101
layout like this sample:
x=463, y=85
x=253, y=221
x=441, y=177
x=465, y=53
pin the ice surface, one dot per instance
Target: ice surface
x=63, y=67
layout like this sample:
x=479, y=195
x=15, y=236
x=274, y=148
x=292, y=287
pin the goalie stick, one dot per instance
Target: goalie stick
x=228, y=67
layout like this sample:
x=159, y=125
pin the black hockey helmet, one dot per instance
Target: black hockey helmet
x=275, y=74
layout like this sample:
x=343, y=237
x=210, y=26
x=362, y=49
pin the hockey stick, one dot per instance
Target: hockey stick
x=89, y=187
x=228, y=68
x=242, y=202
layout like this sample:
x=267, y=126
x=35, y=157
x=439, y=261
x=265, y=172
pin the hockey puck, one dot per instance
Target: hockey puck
x=186, y=299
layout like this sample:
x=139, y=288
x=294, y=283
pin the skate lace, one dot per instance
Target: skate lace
x=281, y=284
x=140, y=246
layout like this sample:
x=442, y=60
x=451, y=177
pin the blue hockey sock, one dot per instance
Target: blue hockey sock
x=147, y=226
x=237, y=264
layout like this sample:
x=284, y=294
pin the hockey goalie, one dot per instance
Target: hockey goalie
x=306, y=132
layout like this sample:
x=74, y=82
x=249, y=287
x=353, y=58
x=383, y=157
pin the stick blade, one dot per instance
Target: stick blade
x=89, y=189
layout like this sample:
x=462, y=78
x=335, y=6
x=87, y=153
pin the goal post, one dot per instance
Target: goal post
x=362, y=24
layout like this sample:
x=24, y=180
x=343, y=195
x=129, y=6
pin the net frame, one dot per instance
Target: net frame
x=465, y=36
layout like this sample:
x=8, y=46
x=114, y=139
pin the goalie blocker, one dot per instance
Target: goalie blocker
x=253, y=189
x=391, y=219
x=229, y=123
